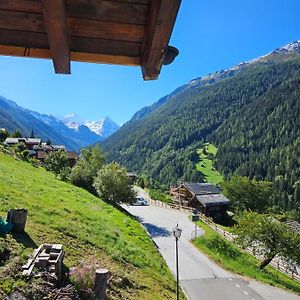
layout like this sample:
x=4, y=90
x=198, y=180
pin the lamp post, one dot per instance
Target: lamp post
x=177, y=233
x=195, y=218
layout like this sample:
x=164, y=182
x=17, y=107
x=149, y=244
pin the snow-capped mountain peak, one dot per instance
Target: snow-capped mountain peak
x=103, y=127
x=72, y=121
x=95, y=126
x=291, y=47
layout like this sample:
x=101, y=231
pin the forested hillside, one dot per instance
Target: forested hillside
x=250, y=112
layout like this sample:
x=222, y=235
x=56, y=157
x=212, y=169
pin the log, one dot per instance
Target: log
x=101, y=283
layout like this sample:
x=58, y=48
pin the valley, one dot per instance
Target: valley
x=218, y=156
x=250, y=112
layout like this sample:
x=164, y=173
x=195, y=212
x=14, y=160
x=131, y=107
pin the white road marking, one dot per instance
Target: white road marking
x=246, y=293
x=230, y=279
x=237, y=285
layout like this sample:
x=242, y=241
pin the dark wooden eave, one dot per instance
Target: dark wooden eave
x=124, y=32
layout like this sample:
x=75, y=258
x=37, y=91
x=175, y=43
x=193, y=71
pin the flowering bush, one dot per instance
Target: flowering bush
x=83, y=276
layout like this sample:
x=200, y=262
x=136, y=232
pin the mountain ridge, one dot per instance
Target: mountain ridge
x=288, y=49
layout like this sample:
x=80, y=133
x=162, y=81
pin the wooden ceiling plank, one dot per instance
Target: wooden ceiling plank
x=160, y=24
x=32, y=6
x=133, y=1
x=107, y=47
x=105, y=59
x=77, y=27
x=75, y=56
x=78, y=44
x=110, y=11
x=105, y=30
x=24, y=39
x=56, y=25
x=102, y=10
x=21, y=21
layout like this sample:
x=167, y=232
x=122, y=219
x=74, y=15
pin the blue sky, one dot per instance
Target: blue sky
x=211, y=35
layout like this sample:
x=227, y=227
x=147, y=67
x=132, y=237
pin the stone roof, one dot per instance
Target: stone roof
x=202, y=188
x=212, y=199
x=33, y=141
x=11, y=141
x=28, y=141
x=58, y=147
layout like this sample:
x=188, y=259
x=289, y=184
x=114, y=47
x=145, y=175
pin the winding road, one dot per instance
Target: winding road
x=200, y=278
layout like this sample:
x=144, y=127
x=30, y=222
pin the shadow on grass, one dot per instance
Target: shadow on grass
x=156, y=231
x=25, y=239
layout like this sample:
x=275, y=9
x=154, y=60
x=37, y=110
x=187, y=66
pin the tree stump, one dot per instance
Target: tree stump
x=101, y=283
x=18, y=218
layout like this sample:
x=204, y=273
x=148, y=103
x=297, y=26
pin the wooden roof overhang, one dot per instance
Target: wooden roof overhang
x=124, y=32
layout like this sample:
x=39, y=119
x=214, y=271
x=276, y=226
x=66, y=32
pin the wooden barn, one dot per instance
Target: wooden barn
x=124, y=32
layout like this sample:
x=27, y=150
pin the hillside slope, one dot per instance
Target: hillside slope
x=86, y=226
x=250, y=112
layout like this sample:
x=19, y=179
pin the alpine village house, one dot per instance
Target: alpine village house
x=40, y=150
x=204, y=197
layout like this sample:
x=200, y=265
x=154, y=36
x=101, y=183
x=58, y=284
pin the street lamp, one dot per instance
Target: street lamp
x=195, y=218
x=177, y=233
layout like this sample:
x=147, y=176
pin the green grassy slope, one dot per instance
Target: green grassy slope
x=85, y=225
x=205, y=165
x=231, y=258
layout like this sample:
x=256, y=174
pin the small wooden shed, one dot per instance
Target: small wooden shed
x=124, y=32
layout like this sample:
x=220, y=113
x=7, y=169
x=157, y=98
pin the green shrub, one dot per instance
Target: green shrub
x=160, y=195
x=223, y=247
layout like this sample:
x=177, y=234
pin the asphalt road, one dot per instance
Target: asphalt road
x=200, y=278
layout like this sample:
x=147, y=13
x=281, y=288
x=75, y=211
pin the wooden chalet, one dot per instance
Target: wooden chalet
x=205, y=197
x=30, y=143
x=124, y=32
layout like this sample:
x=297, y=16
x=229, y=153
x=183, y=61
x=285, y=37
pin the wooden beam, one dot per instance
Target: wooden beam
x=56, y=25
x=38, y=40
x=75, y=56
x=160, y=24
